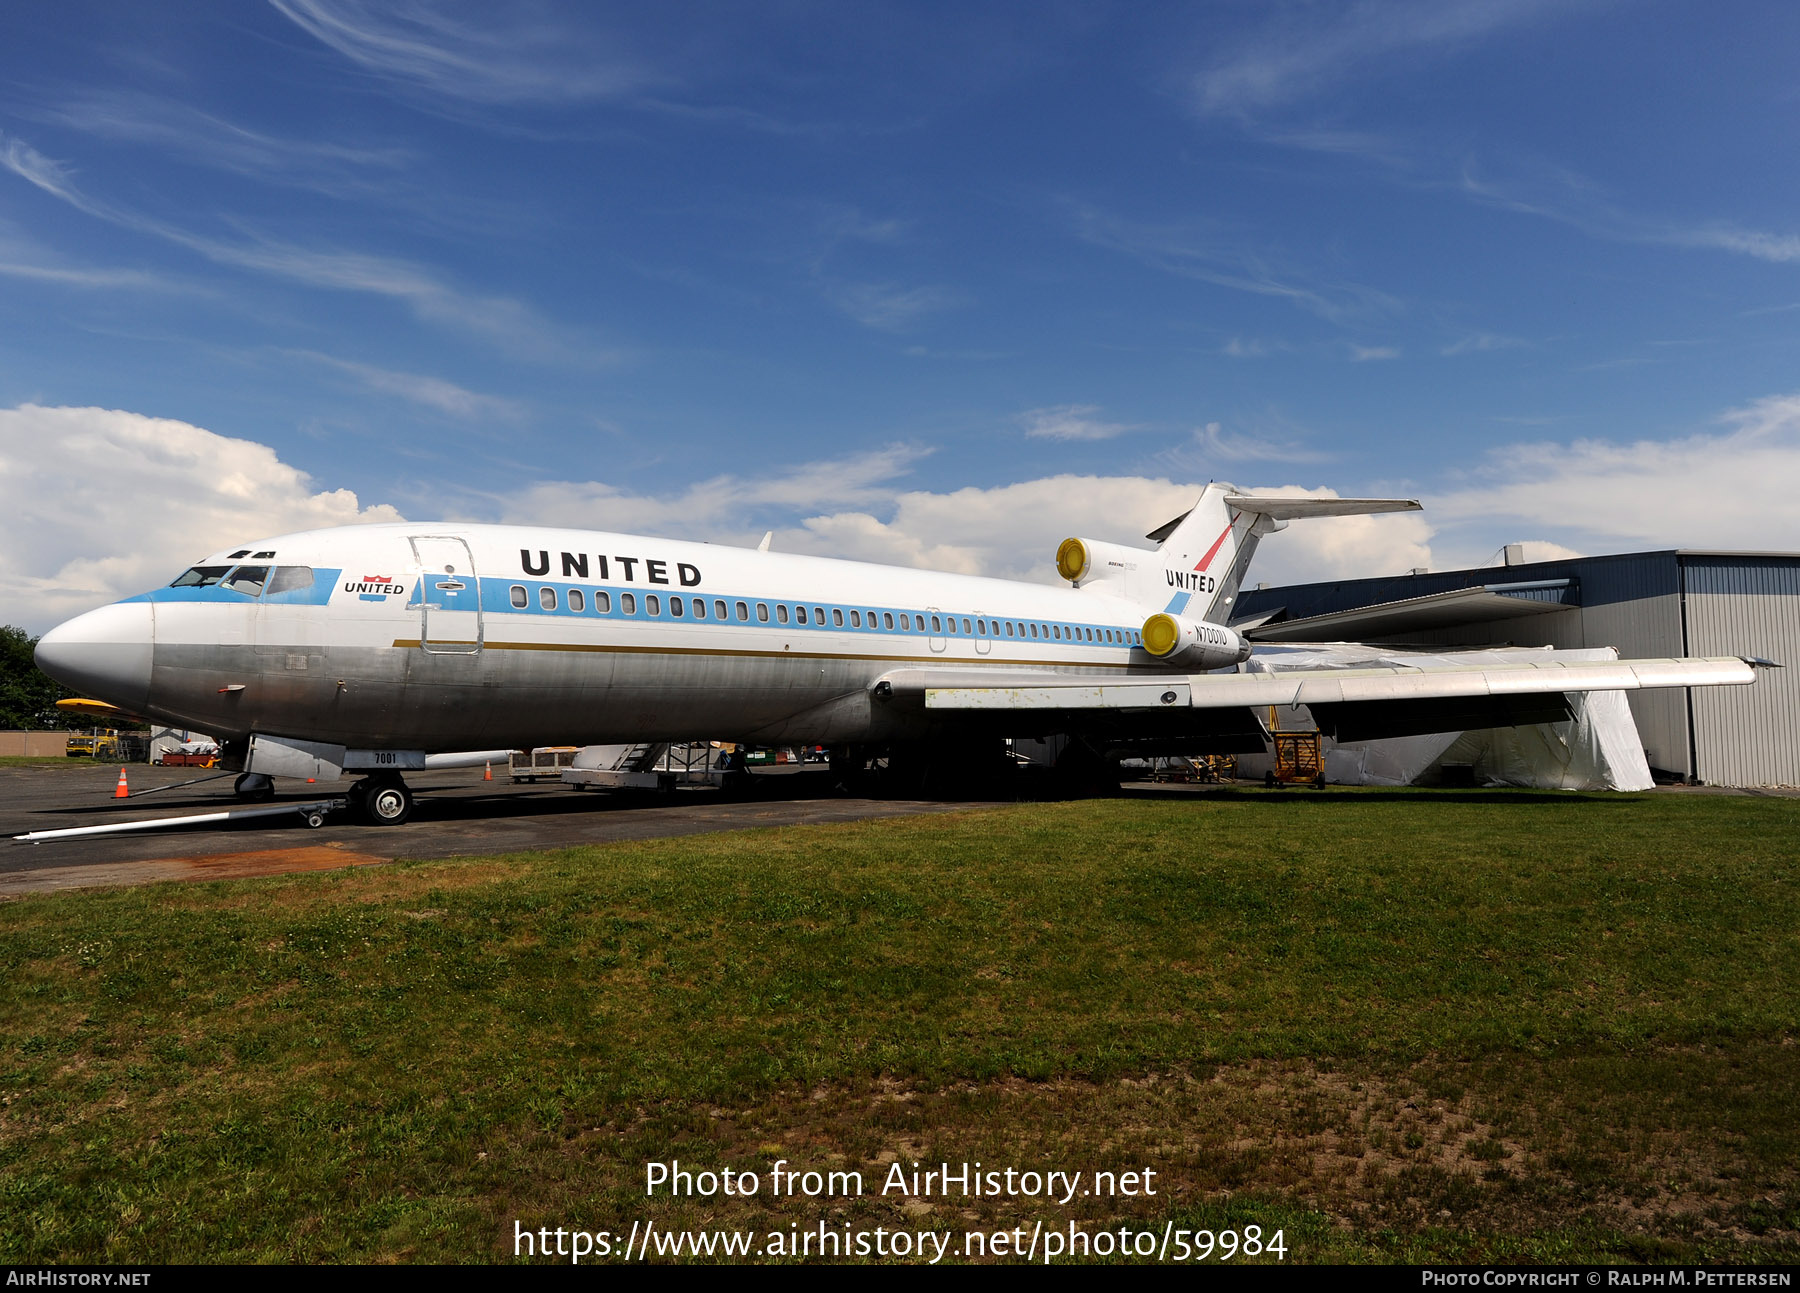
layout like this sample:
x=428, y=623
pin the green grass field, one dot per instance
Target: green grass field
x=1403, y=1025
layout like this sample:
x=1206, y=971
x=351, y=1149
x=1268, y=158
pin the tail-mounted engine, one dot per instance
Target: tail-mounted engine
x=1193, y=644
x=1086, y=561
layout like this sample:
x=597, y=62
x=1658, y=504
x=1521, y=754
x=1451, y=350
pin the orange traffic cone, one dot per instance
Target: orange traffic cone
x=489, y=774
x=121, y=791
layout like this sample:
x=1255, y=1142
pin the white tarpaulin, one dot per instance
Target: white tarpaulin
x=1597, y=749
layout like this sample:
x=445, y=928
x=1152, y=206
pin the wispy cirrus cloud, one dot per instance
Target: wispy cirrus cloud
x=1268, y=83
x=493, y=54
x=1211, y=256
x=1069, y=422
x=1369, y=354
x=1567, y=197
x=22, y=257
x=185, y=131
x=1250, y=348
x=724, y=508
x=428, y=392
x=1481, y=343
x=845, y=237
x=1304, y=50
x=510, y=324
x=1212, y=444
x=892, y=307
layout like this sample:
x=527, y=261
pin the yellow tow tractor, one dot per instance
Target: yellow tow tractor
x=101, y=743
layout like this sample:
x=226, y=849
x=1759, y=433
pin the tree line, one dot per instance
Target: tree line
x=28, y=695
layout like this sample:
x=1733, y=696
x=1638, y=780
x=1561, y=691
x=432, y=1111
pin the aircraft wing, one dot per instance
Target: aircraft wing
x=1349, y=704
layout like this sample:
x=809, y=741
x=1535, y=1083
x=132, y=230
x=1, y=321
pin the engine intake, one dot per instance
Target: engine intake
x=1193, y=644
x=1083, y=561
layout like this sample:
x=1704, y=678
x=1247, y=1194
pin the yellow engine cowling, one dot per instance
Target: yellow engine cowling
x=1193, y=644
x=1083, y=561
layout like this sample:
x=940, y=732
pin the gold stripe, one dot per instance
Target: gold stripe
x=988, y=661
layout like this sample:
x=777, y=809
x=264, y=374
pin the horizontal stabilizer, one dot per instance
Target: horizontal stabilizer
x=1481, y=605
x=1294, y=509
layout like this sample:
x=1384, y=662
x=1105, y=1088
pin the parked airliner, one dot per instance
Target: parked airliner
x=367, y=648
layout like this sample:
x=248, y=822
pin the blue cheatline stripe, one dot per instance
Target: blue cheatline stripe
x=1178, y=603
x=324, y=581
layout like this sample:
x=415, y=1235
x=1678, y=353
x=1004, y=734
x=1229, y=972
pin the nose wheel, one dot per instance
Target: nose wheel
x=254, y=787
x=382, y=800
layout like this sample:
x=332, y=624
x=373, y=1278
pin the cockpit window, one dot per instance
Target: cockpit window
x=200, y=577
x=287, y=578
x=248, y=580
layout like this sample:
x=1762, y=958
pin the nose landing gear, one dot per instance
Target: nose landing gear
x=254, y=787
x=382, y=799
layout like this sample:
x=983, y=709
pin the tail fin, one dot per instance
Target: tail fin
x=1206, y=551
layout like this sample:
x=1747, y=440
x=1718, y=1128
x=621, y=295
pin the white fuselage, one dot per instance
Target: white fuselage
x=455, y=637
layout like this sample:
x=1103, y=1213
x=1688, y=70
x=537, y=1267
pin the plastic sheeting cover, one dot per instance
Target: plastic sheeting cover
x=1597, y=749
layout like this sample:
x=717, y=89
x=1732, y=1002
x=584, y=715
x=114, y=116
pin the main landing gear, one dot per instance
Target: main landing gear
x=382, y=799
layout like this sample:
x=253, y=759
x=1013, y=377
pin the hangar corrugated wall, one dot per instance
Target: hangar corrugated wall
x=1746, y=606
x=1646, y=604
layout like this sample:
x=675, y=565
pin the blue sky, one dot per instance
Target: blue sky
x=930, y=284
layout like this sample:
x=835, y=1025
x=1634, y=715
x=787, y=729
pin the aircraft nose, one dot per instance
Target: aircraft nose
x=104, y=654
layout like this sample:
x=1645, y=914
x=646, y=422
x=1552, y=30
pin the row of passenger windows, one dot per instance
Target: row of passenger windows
x=941, y=625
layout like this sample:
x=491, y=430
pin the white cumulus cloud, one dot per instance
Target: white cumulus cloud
x=1731, y=487
x=98, y=504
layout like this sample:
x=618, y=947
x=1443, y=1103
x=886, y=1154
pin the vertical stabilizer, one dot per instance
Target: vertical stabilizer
x=1205, y=553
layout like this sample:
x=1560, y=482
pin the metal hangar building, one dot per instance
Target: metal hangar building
x=1646, y=604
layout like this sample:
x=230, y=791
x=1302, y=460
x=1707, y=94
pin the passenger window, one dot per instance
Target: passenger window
x=628, y=603
x=965, y=628
x=937, y=625
x=800, y=614
x=577, y=600
x=699, y=608
x=519, y=600
x=887, y=620
x=819, y=616
x=743, y=612
x=248, y=580
x=652, y=604
x=762, y=612
x=781, y=614
x=547, y=598
x=855, y=619
x=675, y=607
x=603, y=602
x=719, y=611
x=905, y=622
x=837, y=617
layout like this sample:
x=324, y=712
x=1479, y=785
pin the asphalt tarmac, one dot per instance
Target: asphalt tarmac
x=457, y=814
